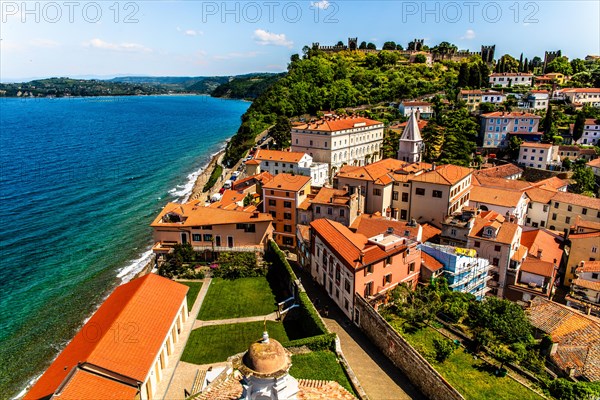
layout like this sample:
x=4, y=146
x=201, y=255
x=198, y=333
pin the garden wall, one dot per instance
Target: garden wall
x=402, y=354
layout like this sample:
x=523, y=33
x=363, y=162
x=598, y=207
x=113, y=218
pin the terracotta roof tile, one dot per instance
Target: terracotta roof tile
x=503, y=114
x=536, y=145
x=430, y=262
x=587, y=284
x=540, y=195
x=334, y=124
x=84, y=385
x=444, y=175
x=501, y=183
x=550, y=245
x=501, y=171
x=577, y=199
x=129, y=305
x=506, y=231
x=372, y=225
x=195, y=214
x=429, y=232
x=262, y=178
x=552, y=182
x=287, y=182
x=499, y=197
x=594, y=163
x=278, y=155
x=538, y=267
x=589, y=266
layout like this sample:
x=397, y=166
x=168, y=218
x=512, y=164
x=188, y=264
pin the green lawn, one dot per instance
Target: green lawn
x=473, y=378
x=215, y=343
x=193, y=292
x=244, y=297
x=319, y=365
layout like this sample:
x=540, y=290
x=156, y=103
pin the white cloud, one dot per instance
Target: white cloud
x=266, y=38
x=322, y=4
x=469, y=34
x=190, y=32
x=123, y=47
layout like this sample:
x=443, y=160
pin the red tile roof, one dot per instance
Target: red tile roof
x=594, y=163
x=538, y=267
x=577, y=199
x=504, y=114
x=430, y=262
x=142, y=310
x=252, y=180
x=444, y=175
x=429, y=232
x=506, y=231
x=577, y=335
x=416, y=103
x=278, y=155
x=584, y=283
x=494, y=196
x=540, y=195
x=372, y=225
x=334, y=124
x=550, y=245
x=589, y=266
x=536, y=145
x=84, y=385
x=195, y=213
x=500, y=171
x=288, y=182
x=372, y=172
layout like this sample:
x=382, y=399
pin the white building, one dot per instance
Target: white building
x=508, y=203
x=595, y=166
x=538, y=208
x=474, y=98
x=579, y=96
x=538, y=100
x=423, y=108
x=411, y=143
x=496, y=126
x=538, y=155
x=509, y=79
x=276, y=162
x=339, y=140
x=591, y=133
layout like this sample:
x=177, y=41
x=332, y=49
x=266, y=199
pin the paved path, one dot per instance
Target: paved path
x=270, y=317
x=380, y=379
x=173, y=360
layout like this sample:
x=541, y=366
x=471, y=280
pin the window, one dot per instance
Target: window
x=376, y=192
x=387, y=279
x=329, y=211
x=477, y=244
x=196, y=237
x=273, y=214
x=208, y=237
x=452, y=232
x=272, y=192
x=594, y=249
x=584, y=211
x=338, y=274
x=403, y=214
x=272, y=202
x=287, y=228
x=206, y=227
x=288, y=241
x=394, y=195
x=347, y=285
x=369, y=270
x=437, y=193
x=411, y=267
x=554, y=217
x=569, y=208
x=287, y=216
x=388, y=260
x=318, y=210
x=546, y=208
x=420, y=191
x=495, y=262
x=497, y=248
x=287, y=194
x=405, y=197
x=246, y=227
x=567, y=220
x=368, y=289
x=287, y=204
x=302, y=192
x=556, y=205
x=342, y=212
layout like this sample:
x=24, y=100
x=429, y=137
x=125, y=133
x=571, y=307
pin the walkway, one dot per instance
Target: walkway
x=380, y=379
x=173, y=360
x=259, y=318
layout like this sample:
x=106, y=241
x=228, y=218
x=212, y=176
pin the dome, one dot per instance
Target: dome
x=266, y=358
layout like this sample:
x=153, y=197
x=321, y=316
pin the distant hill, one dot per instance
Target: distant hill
x=191, y=84
x=248, y=86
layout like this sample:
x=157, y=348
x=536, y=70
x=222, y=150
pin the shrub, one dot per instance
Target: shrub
x=216, y=174
x=443, y=348
x=237, y=265
x=315, y=343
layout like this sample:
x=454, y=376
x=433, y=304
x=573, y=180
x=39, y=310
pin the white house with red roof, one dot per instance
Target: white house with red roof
x=591, y=133
x=538, y=155
x=579, y=96
x=292, y=162
x=509, y=79
x=423, y=109
x=339, y=140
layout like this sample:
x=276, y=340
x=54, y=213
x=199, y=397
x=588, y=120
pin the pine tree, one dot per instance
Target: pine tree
x=578, y=127
x=521, y=63
x=525, y=65
x=463, y=75
x=474, y=76
x=549, y=125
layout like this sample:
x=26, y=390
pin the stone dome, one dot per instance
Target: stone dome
x=267, y=358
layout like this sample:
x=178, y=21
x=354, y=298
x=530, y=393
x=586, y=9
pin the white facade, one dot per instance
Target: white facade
x=407, y=108
x=340, y=291
x=537, y=214
x=511, y=79
x=537, y=155
x=352, y=142
x=591, y=133
x=411, y=143
x=300, y=165
x=538, y=100
x=497, y=125
x=589, y=96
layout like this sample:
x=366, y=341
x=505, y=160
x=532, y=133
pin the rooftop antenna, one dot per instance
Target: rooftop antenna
x=265, y=337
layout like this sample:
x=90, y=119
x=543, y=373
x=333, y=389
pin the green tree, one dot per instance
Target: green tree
x=567, y=164
x=536, y=62
x=487, y=107
x=363, y=45
x=420, y=59
x=548, y=125
x=443, y=348
x=399, y=47
x=505, y=319
x=514, y=145
x=463, y=75
x=474, y=76
x=578, y=65
x=280, y=132
x=521, y=63
x=371, y=46
x=583, y=176
x=579, y=126
x=509, y=63
x=389, y=46
x=526, y=65
x=560, y=65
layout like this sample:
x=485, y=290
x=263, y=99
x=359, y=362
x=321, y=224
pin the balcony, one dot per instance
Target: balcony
x=163, y=247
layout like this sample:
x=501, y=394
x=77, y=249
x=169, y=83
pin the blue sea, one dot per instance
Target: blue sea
x=81, y=179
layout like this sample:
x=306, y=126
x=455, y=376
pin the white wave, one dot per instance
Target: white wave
x=129, y=271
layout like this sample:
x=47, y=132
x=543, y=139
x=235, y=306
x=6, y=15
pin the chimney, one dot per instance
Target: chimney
x=361, y=255
x=389, y=230
x=433, y=166
x=553, y=349
x=539, y=253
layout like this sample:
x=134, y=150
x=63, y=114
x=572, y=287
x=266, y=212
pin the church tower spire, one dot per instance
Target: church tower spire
x=411, y=142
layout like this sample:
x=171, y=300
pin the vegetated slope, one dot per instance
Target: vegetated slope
x=322, y=81
x=189, y=84
x=246, y=86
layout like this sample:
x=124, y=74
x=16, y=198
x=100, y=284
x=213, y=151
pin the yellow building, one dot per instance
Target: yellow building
x=583, y=243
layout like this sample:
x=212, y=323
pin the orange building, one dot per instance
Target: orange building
x=281, y=197
x=120, y=353
x=208, y=228
x=344, y=262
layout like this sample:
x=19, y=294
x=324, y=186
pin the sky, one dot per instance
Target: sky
x=203, y=38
